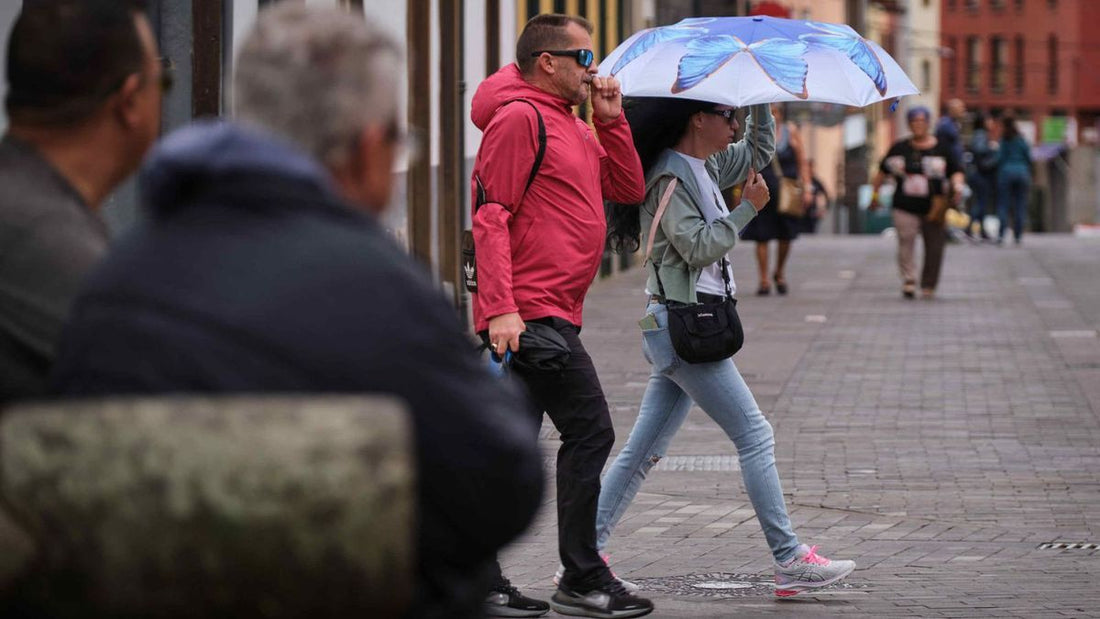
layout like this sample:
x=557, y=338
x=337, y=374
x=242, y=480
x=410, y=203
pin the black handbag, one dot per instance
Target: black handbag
x=700, y=332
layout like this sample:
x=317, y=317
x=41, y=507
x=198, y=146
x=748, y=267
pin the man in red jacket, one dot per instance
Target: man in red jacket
x=538, y=250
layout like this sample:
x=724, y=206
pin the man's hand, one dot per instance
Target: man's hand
x=504, y=332
x=756, y=190
x=607, y=98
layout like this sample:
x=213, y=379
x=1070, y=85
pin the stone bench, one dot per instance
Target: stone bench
x=198, y=506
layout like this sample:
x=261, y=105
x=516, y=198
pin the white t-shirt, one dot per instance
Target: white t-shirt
x=710, y=279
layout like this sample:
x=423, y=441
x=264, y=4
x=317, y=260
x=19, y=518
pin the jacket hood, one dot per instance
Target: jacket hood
x=207, y=152
x=505, y=85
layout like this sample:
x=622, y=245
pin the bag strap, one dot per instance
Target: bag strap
x=665, y=197
x=481, y=198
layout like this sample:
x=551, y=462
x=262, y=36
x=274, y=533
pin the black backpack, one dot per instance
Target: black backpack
x=469, y=259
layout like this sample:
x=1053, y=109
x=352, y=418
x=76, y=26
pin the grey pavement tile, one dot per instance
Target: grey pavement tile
x=937, y=444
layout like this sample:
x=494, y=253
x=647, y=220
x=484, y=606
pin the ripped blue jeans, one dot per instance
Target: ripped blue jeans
x=721, y=392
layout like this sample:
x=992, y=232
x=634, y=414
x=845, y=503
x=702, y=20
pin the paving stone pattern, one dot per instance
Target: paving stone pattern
x=937, y=443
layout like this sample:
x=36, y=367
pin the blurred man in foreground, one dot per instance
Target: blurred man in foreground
x=263, y=268
x=84, y=93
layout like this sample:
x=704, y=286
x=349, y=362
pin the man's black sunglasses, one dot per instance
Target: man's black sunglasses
x=727, y=114
x=584, y=57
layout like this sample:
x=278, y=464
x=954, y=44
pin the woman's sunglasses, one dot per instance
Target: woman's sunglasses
x=727, y=114
x=584, y=57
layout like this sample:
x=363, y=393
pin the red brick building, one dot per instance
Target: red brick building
x=1037, y=58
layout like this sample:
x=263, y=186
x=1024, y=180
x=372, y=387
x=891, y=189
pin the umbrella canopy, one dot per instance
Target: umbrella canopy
x=747, y=60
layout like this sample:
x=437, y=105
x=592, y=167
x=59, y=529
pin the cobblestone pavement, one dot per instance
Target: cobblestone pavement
x=937, y=443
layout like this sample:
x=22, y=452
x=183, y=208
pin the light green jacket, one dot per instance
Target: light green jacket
x=696, y=244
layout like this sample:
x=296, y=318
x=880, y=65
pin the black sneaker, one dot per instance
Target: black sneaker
x=507, y=601
x=609, y=601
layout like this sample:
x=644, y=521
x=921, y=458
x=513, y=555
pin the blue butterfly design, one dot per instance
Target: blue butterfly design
x=655, y=36
x=781, y=60
x=848, y=41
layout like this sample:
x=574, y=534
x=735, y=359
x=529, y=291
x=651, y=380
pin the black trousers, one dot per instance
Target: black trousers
x=574, y=400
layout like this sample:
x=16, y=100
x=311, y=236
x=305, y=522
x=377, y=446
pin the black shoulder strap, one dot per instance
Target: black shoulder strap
x=542, y=144
x=481, y=198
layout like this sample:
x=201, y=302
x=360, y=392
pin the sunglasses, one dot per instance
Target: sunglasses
x=727, y=114
x=584, y=57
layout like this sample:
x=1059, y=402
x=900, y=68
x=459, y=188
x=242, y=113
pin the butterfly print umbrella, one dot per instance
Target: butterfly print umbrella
x=742, y=61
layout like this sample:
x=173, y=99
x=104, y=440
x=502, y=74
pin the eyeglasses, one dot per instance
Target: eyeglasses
x=727, y=114
x=584, y=57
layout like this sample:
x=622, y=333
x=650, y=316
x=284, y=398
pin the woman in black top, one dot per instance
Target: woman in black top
x=926, y=172
x=770, y=224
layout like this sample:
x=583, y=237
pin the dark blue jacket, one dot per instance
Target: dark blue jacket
x=250, y=275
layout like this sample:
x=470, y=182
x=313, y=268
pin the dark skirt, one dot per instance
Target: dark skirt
x=769, y=224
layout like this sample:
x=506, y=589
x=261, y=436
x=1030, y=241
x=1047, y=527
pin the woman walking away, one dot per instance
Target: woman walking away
x=922, y=167
x=691, y=144
x=980, y=171
x=1013, y=180
x=790, y=162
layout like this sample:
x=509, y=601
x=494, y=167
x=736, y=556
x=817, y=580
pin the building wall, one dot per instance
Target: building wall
x=883, y=130
x=1057, y=73
x=921, y=55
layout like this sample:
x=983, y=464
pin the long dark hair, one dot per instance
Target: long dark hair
x=656, y=123
x=979, y=121
x=1009, y=130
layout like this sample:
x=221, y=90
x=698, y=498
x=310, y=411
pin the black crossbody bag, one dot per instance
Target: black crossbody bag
x=700, y=332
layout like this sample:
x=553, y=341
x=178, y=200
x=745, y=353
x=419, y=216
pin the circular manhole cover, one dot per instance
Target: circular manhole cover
x=724, y=585
x=714, y=584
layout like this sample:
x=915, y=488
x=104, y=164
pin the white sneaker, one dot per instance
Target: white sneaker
x=630, y=587
x=810, y=571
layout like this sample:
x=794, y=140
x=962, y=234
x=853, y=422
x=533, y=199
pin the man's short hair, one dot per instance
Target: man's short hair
x=65, y=57
x=317, y=77
x=544, y=32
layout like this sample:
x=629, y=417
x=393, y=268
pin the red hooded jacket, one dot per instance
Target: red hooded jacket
x=537, y=253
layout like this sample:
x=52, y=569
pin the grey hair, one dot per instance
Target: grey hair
x=318, y=77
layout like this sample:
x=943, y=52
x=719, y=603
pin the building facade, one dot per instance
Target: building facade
x=1033, y=58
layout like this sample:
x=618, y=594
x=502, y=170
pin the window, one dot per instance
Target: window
x=1019, y=5
x=998, y=5
x=972, y=6
x=973, y=63
x=998, y=54
x=952, y=5
x=1052, y=5
x=926, y=75
x=1019, y=64
x=1052, y=64
x=952, y=64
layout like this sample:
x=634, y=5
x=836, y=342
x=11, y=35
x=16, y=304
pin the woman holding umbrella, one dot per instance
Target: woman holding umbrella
x=691, y=143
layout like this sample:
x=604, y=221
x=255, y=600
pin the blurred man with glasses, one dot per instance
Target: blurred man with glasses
x=83, y=100
x=263, y=267
x=539, y=240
